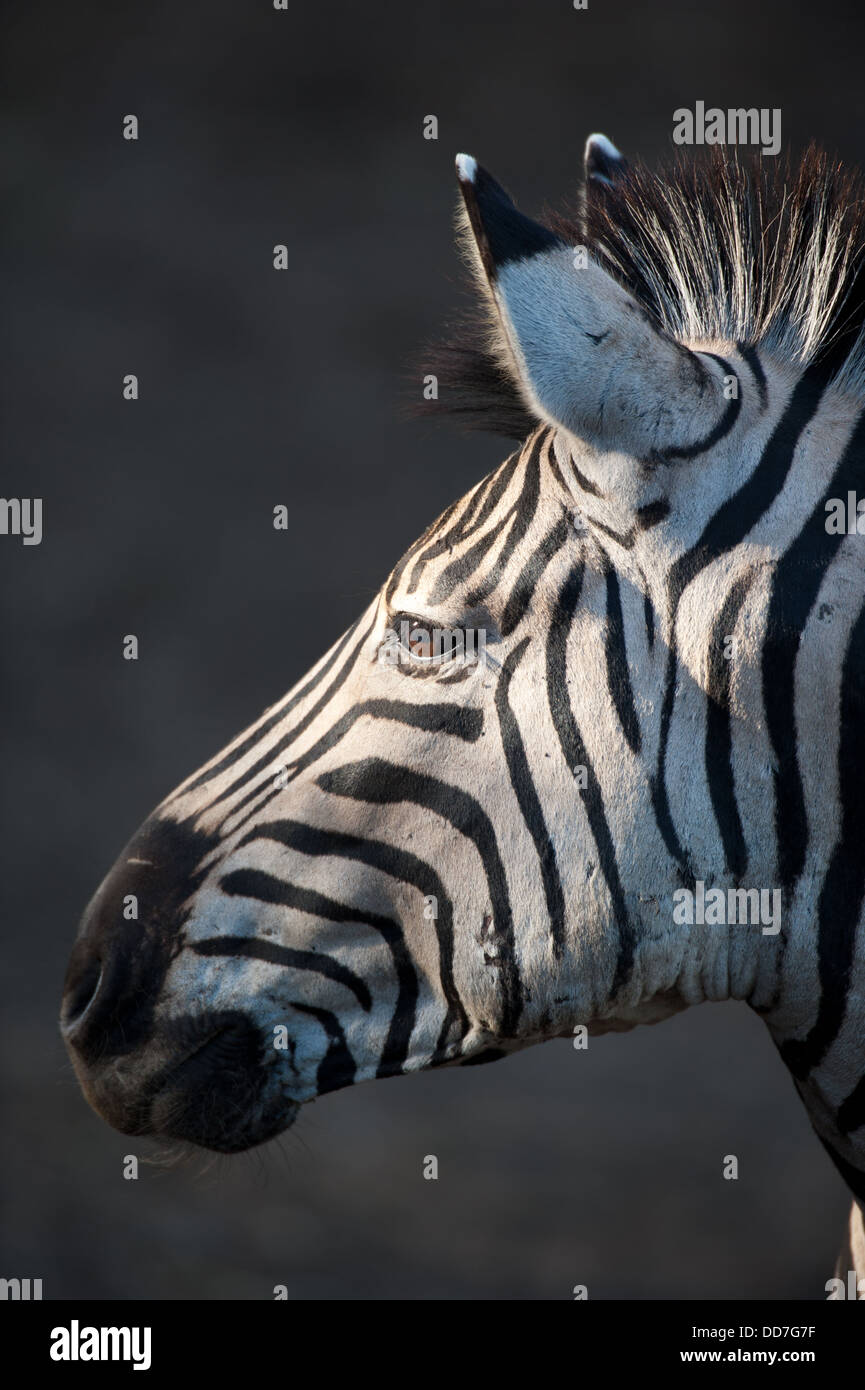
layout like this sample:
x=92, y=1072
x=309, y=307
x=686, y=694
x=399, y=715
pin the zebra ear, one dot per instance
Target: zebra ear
x=603, y=163
x=584, y=354
x=604, y=166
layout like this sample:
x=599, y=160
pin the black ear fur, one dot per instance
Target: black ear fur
x=474, y=387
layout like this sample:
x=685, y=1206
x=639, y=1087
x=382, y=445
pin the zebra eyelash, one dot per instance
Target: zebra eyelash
x=418, y=664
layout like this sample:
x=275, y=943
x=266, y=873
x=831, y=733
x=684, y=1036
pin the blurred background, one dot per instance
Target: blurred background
x=154, y=257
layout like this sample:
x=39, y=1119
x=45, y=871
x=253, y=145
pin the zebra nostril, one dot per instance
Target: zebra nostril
x=80, y=993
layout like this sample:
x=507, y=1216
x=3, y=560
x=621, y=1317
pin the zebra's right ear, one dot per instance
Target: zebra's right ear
x=584, y=354
x=604, y=166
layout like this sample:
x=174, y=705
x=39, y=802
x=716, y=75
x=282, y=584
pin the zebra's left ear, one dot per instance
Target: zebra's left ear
x=583, y=352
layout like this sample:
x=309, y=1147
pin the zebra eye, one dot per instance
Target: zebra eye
x=416, y=640
x=421, y=643
x=426, y=641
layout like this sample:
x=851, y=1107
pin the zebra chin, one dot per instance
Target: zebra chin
x=190, y=1118
x=222, y=1096
x=215, y=1093
x=205, y=1080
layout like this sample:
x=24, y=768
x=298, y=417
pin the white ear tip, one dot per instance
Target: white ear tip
x=467, y=168
x=606, y=147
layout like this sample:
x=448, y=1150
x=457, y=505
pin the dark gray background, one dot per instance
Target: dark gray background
x=304, y=127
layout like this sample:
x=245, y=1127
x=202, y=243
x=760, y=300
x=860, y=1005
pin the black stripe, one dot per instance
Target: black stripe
x=583, y=483
x=521, y=515
x=477, y=495
x=452, y=720
x=558, y=477
x=252, y=883
x=382, y=783
x=337, y=1068
x=649, y=618
x=795, y=585
x=723, y=427
x=269, y=758
x=525, y=507
x=618, y=676
x=625, y=539
x=432, y=531
x=652, y=513
x=500, y=481
x=740, y=513
x=851, y=1115
x=646, y=517
x=466, y=565
x=719, y=734
x=253, y=948
x=396, y=574
x=529, y=802
x=521, y=594
x=723, y=532
x=841, y=896
x=575, y=754
x=397, y=864
x=461, y=530
x=749, y=355
x=457, y=677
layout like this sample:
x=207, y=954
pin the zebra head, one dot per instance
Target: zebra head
x=622, y=675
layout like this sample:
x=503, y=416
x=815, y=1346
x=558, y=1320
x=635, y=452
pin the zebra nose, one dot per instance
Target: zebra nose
x=82, y=987
x=97, y=998
x=129, y=936
x=102, y=1012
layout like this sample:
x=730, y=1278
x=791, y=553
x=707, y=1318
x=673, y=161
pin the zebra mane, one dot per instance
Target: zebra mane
x=764, y=252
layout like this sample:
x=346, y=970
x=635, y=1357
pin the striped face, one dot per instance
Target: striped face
x=622, y=674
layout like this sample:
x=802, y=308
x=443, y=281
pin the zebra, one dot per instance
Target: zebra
x=425, y=855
